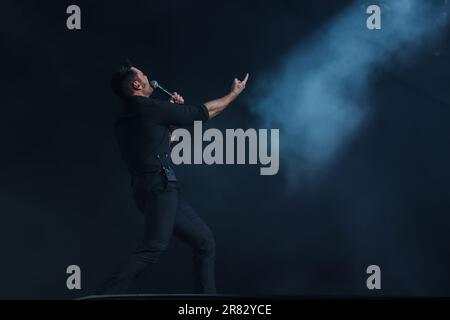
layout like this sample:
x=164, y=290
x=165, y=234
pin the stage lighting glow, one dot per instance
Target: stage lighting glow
x=320, y=94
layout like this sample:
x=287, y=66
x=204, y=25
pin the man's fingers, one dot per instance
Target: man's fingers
x=176, y=98
x=245, y=79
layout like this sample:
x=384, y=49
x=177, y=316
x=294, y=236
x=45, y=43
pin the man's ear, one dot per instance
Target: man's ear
x=137, y=85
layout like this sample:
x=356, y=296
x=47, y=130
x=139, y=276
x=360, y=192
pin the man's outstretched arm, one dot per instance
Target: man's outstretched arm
x=218, y=105
x=170, y=114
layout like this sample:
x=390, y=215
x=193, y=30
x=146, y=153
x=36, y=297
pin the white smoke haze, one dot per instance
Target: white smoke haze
x=318, y=95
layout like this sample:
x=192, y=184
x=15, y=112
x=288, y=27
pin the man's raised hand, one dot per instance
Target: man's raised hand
x=238, y=86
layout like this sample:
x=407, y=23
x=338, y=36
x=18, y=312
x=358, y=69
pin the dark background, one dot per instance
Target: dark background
x=64, y=192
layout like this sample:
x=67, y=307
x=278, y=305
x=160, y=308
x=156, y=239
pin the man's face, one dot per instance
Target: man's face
x=143, y=85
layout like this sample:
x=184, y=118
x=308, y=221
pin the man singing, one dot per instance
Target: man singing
x=142, y=131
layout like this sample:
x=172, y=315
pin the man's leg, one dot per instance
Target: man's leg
x=190, y=228
x=159, y=214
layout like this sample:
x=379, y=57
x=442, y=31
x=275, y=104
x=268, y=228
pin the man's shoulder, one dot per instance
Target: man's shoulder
x=141, y=101
x=138, y=107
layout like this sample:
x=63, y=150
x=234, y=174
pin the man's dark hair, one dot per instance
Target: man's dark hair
x=121, y=80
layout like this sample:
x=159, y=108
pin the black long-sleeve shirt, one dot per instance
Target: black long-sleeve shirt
x=142, y=130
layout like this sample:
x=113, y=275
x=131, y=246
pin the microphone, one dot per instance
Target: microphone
x=155, y=85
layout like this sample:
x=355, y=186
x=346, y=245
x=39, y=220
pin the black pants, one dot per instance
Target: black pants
x=166, y=213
